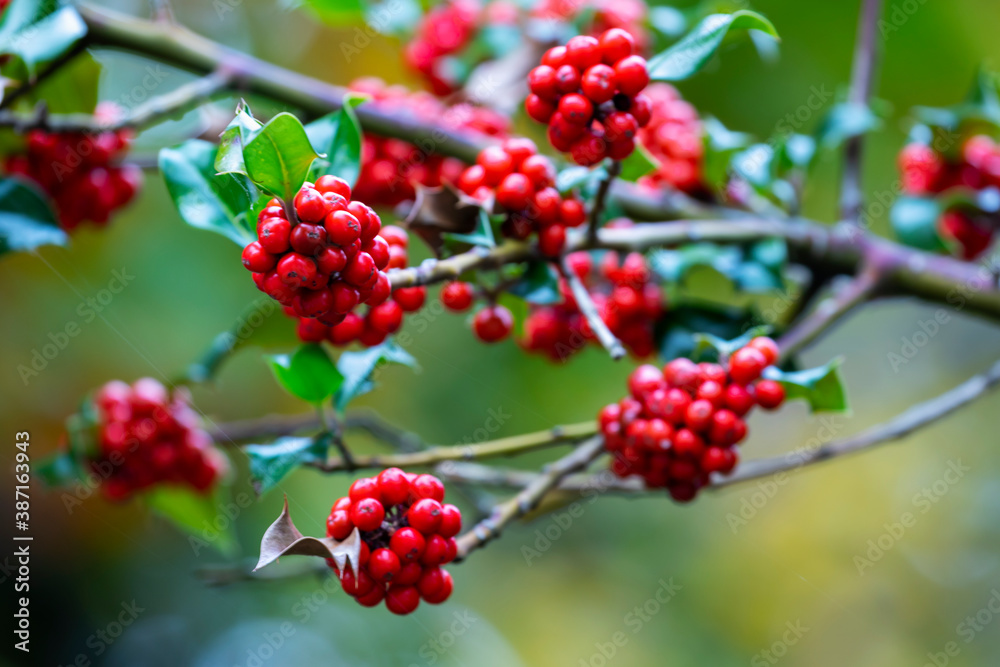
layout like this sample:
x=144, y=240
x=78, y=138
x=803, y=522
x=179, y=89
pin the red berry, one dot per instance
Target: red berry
x=408, y=544
x=334, y=184
x=583, y=51
x=770, y=394
x=331, y=260
x=616, y=44
x=699, y=415
x=572, y=213
x=358, y=587
x=738, y=399
x=551, y=240
x=342, y=228
x=542, y=82
x=296, y=270
x=402, y=600
x=457, y=296
x=394, y=486
x=427, y=486
x=274, y=235
x=598, y=84
x=425, y=515
x=367, y=514
x=383, y=565
x=644, y=380
x=339, y=525
x=746, y=365
x=632, y=75
x=576, y=109
x=492, y=324
x=538, y=109
x=451, y=521
x=311, y=206
x=443, y=593
x=376, y=595
x=365, y=487
x=539, y=170
x=386, y=317
x=496, y=164
x=258, y=260
x=360, y=270
x=308, y=239
x=767, y=347
x=410, y=299
x=514, y=192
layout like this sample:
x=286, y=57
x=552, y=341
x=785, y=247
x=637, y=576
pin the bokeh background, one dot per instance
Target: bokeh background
x=738, y=587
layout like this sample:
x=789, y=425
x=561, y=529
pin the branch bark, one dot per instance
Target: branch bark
x=589, y=311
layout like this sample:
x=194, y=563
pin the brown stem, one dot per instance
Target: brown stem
x=600, y=201
x=529, y=497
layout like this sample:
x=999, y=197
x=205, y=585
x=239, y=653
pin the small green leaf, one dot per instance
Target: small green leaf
x=915, y=221
x=358, y=369
x=676, y=330
x=844, y=121
x=308, y=373
x=674, y=265
x=26, y=219
x=269, y=464
x=538, y=285
x=38, y=31
x=639, y=163
x=217, y=203
x=73, y=88
x=196, y=514
x=241, y=129
x=704, y=342
x=690, y=54
x=278, y=157
x=59, y=470
x=338, y=135
x=482, y=235
x=822, y=387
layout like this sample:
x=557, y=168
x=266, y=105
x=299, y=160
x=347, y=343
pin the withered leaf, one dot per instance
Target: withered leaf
x=437, y=211
x=282, y=538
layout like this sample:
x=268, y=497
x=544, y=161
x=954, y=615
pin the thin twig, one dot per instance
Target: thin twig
x=862, y=83
x=434, y=271
x=276, y=426
x=600, y=201
x=156, y=109
x=830, y=311
x=529, y=497
x=589, y=312
x=332, y=426
x=512, y=446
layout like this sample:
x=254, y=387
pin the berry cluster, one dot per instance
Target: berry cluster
x=391, y=168
x=673, y=136
x=80, y=171
x=521, y=181
x=681, y=424
x=490, y=324
x=925, y=172
x=407, y=534
x=629, y=15
x=146, y=436
x=327, y=260
x=445, y=30
x=381, y=319
x=590, y=94
x=626, y=299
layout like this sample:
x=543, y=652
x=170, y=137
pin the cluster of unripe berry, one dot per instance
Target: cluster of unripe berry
x=79, y=171
x=674, y=137
x=627, y=301
x=146, y=436
x=680, y=424
x=589, y=92
x=392, y=168
x=326, y=260
x=927, y=172
x=522, y=182
x=407, y=534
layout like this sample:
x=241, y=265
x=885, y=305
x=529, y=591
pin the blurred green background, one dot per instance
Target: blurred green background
x=739, y=587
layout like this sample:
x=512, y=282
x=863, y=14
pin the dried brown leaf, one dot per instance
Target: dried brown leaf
x=442, y=210
x=282, y=538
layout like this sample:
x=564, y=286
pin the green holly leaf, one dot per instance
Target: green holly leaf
x=196, y=514
x=205, y=200
x=26, y=218
x=846, y=120
x=241, y=129
x=39, y=31
x=279, y=156
x=706, y=342
x=269, y=464
x=915, y=222
x=360, y=368
x=338, y=135
x=676, y=330
x=308, y=373
x=482, y=235
x=73, y=88
x=538, y=285
x=59, y=470
x=638, y=164
x=822, y=387
x=690, y=54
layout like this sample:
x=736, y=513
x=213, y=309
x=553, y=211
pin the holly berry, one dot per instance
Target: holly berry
x=673, y=134
x=575, y=97
x=457, y=296
x=492, y=324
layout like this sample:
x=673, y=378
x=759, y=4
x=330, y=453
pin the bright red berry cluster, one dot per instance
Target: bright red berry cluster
x=327, y=261
x=391, y=168
x=590, y=94
x=679, y=425
x=925, y=172
x=147, y=437
x=629, y=15
x=80, y=171
x=445, y=30
x=522, y=182
x=407, y=532
x=626, y=299
x=381, y=319
x=674, y=137
x=491, y=324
